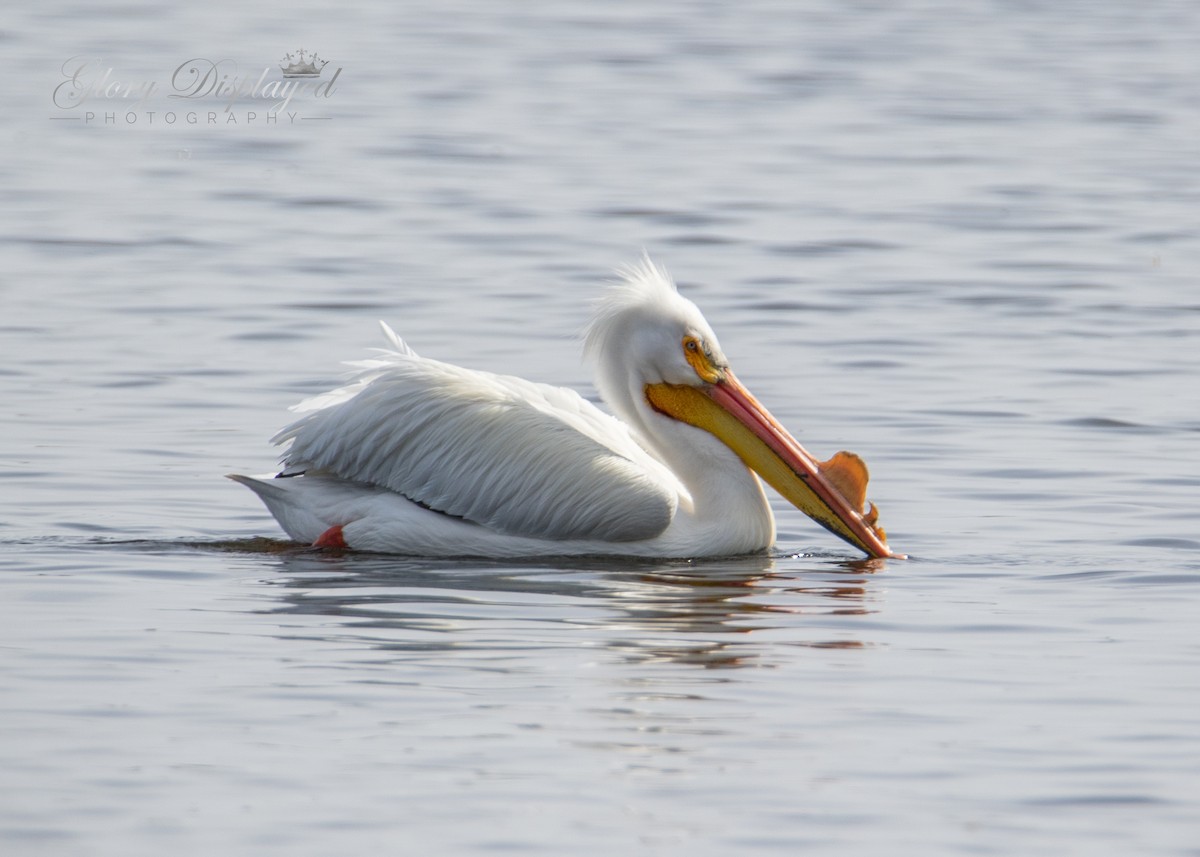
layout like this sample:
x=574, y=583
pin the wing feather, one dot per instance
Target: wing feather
x=521, y=458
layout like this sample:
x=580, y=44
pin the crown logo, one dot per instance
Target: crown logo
x=302, y=64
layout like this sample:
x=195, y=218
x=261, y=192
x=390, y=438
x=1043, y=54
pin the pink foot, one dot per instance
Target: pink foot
x=332, y=538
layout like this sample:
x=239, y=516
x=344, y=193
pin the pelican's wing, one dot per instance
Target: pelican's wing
x=521, y=458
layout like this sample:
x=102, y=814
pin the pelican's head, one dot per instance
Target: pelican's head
x=639, y=331
x=652, y=347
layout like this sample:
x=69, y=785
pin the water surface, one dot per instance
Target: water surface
x=960, y=242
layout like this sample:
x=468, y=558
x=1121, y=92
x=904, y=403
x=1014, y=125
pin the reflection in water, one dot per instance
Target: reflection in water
x=703, y=613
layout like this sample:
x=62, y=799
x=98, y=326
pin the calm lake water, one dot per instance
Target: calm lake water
x=959, y=240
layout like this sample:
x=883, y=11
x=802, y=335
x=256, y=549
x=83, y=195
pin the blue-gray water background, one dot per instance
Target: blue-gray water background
x=960, y=239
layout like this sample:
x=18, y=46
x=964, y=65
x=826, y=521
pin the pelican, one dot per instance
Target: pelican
x=424, y=458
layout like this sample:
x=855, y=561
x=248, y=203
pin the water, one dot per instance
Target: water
x=960, y=241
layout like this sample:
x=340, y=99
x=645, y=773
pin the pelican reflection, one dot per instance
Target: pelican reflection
x=708, y=613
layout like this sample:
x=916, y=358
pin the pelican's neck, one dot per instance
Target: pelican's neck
x=722, y=507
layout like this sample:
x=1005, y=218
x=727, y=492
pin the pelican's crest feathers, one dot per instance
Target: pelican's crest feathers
x=644, y=287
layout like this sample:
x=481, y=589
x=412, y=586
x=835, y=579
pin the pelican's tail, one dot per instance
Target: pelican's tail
x=295, y=510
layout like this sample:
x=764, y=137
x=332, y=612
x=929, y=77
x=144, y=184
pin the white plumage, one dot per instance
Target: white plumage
x=432, y=431
x=420, y=457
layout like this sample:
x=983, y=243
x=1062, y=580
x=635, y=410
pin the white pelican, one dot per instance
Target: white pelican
x=425, y=458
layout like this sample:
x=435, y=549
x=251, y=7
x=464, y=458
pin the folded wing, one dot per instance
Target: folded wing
x=520, y=458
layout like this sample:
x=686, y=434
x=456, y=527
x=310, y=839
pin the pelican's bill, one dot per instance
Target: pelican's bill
x=832, y=493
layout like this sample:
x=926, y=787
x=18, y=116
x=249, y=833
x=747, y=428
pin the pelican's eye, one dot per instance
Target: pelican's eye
x=699, y=357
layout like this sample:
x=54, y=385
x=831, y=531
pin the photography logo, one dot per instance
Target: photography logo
x=296, y=66
x=198, y=91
